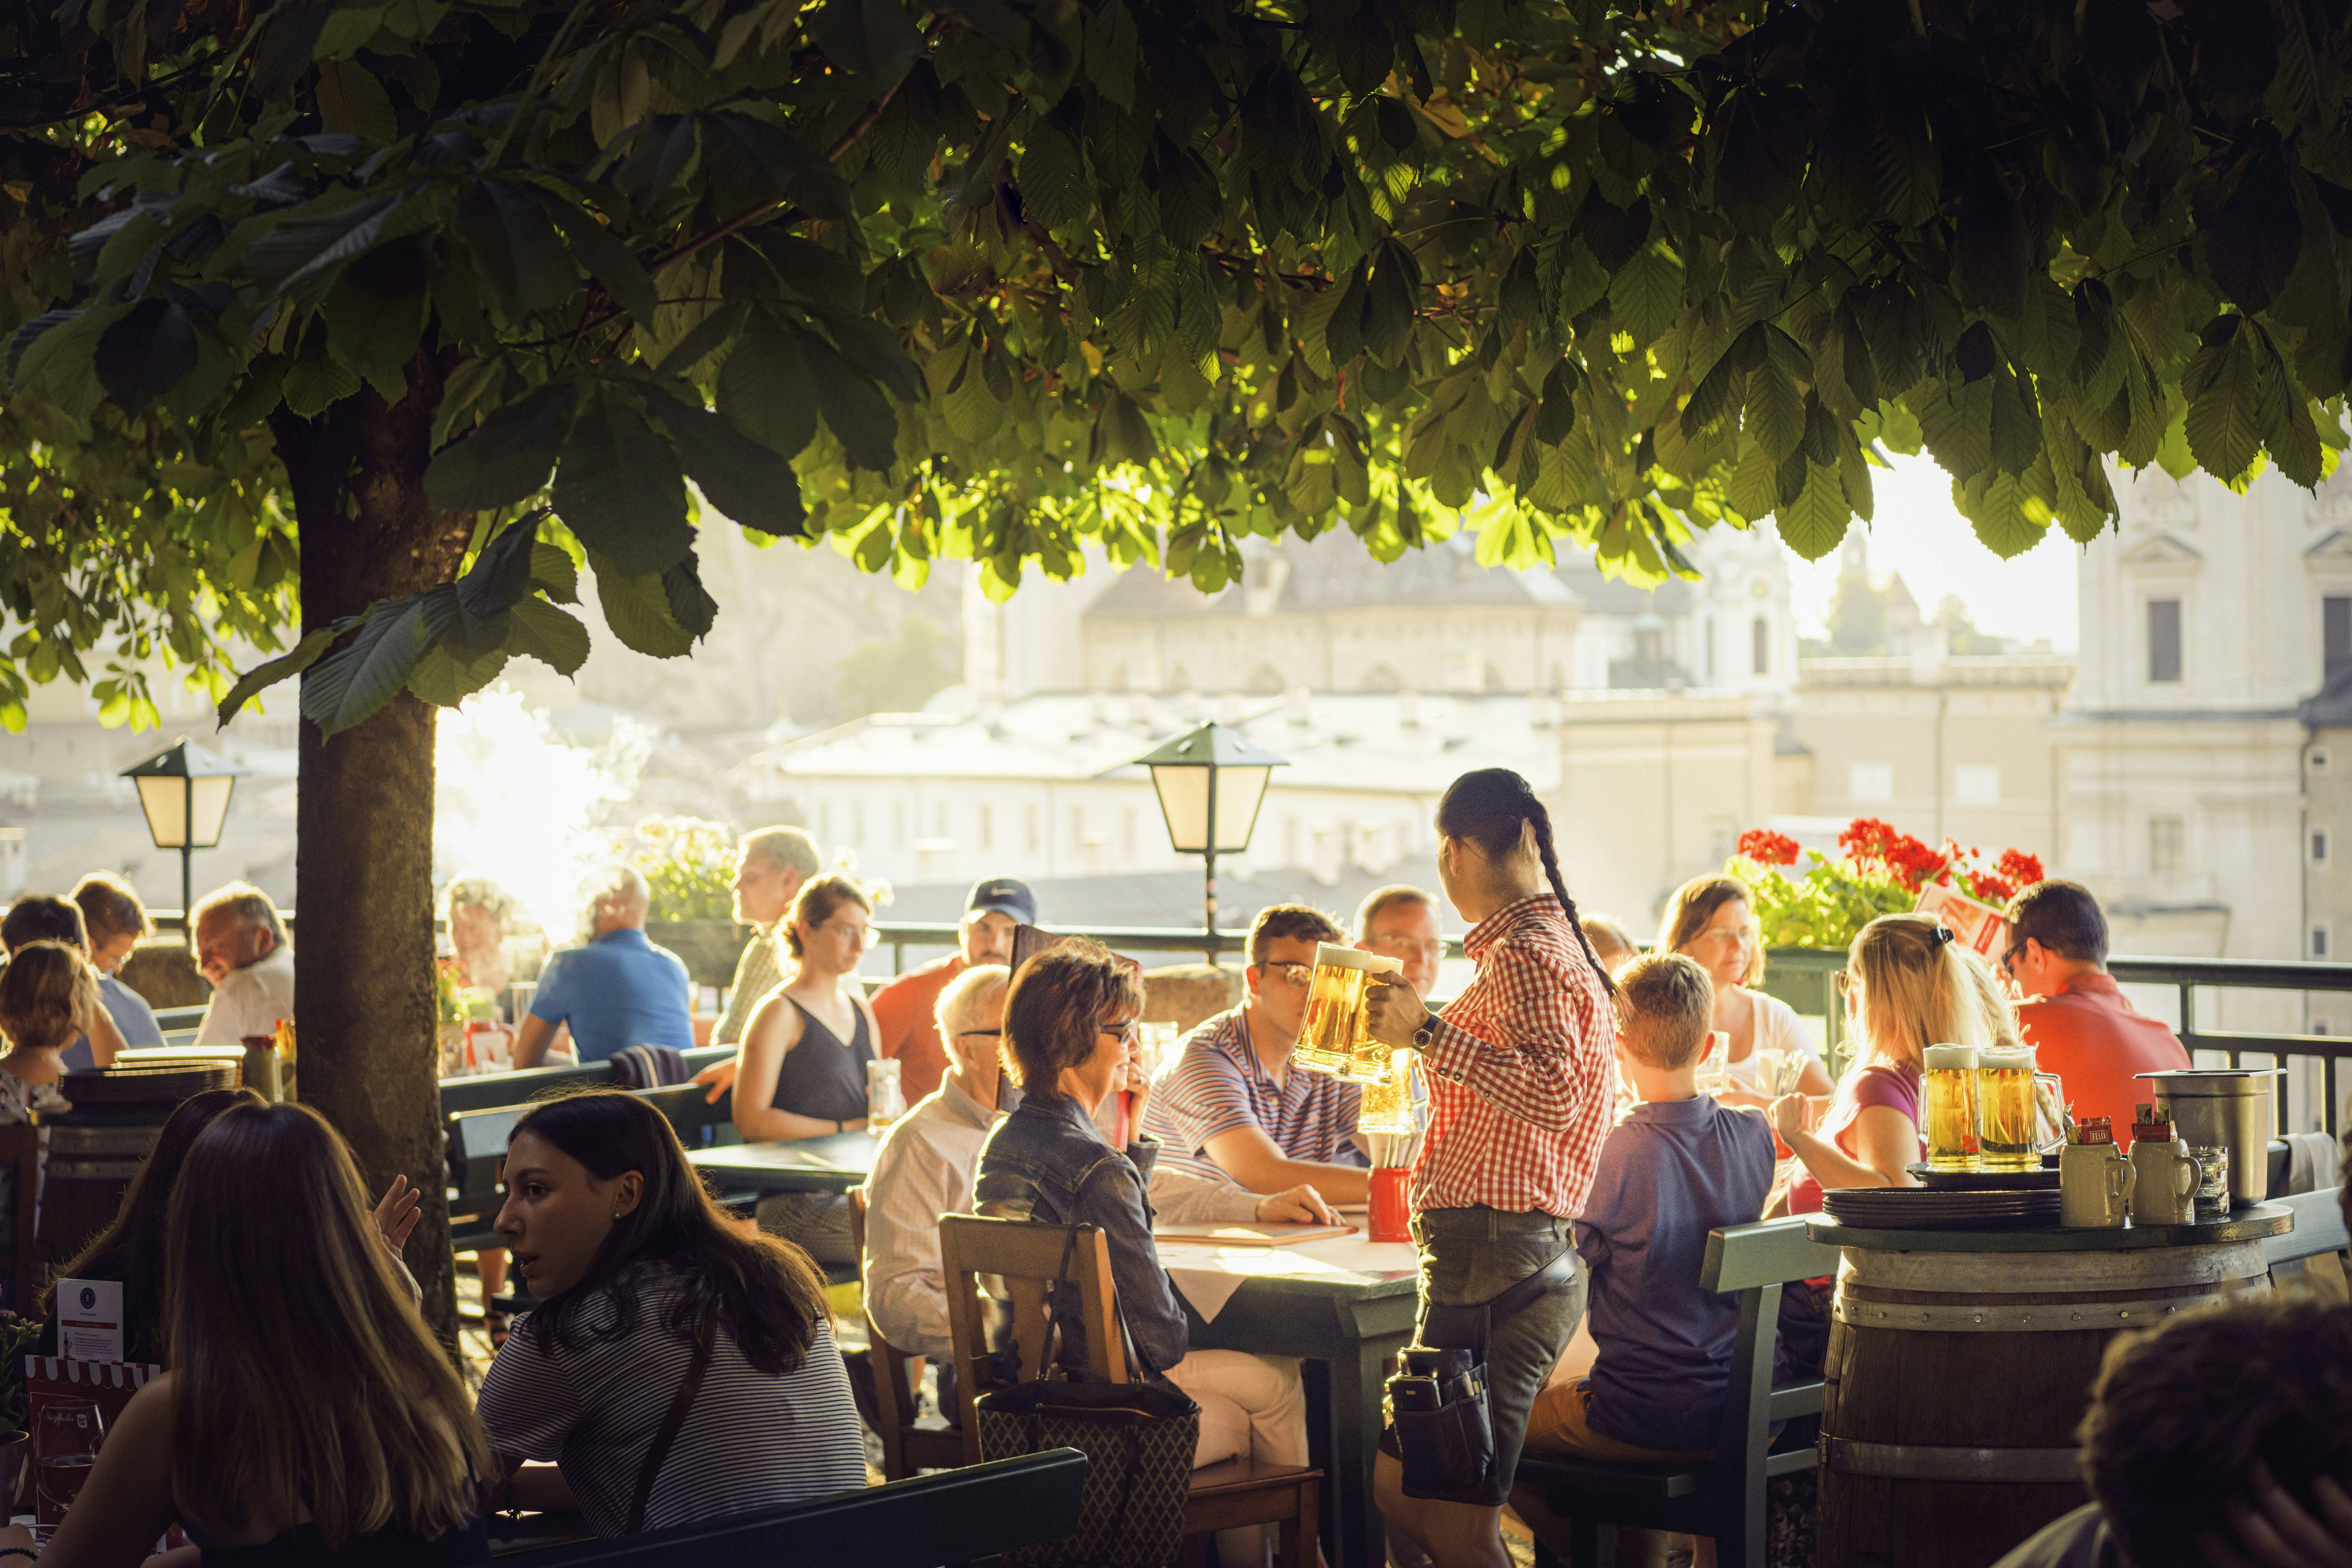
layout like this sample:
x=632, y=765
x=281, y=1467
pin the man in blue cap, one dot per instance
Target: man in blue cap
x=909, y=1034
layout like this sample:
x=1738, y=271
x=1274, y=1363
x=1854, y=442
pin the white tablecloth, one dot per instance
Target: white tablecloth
x=1207, y=1277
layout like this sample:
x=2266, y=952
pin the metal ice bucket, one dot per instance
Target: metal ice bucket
x=2225, y=1106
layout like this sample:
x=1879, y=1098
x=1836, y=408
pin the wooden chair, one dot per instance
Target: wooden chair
x=20, y=1151
x=969, y=1516
x=906, y=1448
x=1024, y=1258
x=1725, y=1497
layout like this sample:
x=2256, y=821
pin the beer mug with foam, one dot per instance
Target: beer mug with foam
x=1333, y=1037
x=2005, y=1109
x=1948, y=1095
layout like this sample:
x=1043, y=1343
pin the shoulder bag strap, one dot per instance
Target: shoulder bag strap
x=695, y=1373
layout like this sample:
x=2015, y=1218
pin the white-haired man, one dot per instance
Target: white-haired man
x=616, y=989
x=241, y=948
x=769, y=871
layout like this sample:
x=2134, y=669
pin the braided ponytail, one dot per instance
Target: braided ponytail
x=1488, y=807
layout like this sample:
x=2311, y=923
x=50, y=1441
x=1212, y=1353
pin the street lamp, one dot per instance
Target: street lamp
x=1209, y=785
x=184, y=793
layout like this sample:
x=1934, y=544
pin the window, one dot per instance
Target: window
x=1290, y=841
x=1711, y=652
x=1760, y=644
x=1872, y=782
x=939, y=820
x=2335, y=636
x=2167, y=843
x=988, y=828
x=897, y=825
x=1029, y=827
x=1077, y=828
x=2319, y=934
x=2163, y=640
x=1127, y=835
x=858, y=823
x=1977, y=783
x=2320, y=846
x=824, y=820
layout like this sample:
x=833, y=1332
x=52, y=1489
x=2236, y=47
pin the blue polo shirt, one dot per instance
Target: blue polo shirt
x=618, y=990
x=133, y=1017
x=1670, y=1172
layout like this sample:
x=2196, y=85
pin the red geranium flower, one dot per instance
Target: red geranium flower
x=2021, y=867
x=1767, y=847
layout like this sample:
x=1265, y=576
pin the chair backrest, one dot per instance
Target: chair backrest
x=477, y=1149
x=2318, y=1227
x=893, y=1399
x=955, y=1517
x=1022, y=1260
x=1757, y=1260
x=20, y=1151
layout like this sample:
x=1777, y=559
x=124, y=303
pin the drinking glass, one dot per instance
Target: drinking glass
x=2005, y=1109
x=2213, y=1185
x=1714, y=1063
x=1387, y=1104
x=1949, y=1092
x=1333, y=1037
x=886, y=1102
x=64, y=1446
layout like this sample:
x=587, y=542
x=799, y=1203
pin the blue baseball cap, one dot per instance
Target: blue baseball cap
x=1003, y=895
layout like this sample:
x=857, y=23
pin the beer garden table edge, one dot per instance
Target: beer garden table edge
x=2252, y=1223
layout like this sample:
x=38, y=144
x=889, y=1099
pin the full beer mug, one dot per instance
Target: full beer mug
x=2005, y=1109
x=1949, y=1088
x=1334, y=1038
x=1388, y=1099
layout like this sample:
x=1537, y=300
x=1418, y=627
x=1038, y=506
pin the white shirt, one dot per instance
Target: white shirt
x=1775, y=1028
x=250, y=1001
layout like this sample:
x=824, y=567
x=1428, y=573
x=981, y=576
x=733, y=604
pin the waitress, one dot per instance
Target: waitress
x=1520, y=1086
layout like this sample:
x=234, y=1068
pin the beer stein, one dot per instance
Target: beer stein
x=1333, y=1037
x=2166, y=1192
x=2005, y=1109
x=2213, y=1187
x=1387, y=1105
x=1948, y=1092
x=2095, y=1185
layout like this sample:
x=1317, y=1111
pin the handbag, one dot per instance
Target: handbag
x=696, y=1370
x=1437, y=1402
x=1138, y=1440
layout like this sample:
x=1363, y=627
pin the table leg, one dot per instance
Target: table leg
x=1359, y=1531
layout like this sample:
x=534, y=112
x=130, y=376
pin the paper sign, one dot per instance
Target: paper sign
x=1980, y=926
x=89, y=1319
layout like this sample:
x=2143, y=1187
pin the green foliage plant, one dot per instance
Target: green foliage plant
x=689, y=863
x=1877, y=871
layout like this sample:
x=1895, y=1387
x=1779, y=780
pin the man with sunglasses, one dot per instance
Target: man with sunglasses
x=1234, y=1108
x=2070, y=1009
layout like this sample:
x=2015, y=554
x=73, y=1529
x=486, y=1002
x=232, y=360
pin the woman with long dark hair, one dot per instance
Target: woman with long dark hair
x=1520, y=1086
x=678, y=1370
x=310, y=1417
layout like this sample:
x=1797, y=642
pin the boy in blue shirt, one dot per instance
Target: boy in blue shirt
x=1677, y=1168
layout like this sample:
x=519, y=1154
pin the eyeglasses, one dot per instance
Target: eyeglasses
x=1296, y=974
x=1405, y=946
x=1849, y=984
x=2008, y=959
x=1126, y=1032
x=862, y=935
x=962, y=1033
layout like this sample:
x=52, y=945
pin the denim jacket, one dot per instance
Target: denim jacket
x=1046, y=1162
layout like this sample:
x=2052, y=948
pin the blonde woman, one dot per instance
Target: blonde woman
x=1907, y=984
x=309, y=1414
x=1712, y=921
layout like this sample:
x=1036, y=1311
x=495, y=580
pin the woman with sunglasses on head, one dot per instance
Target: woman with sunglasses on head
x=1712, y=919
x=800, y=1070
x=1521, y=1079
x=1069, y=1032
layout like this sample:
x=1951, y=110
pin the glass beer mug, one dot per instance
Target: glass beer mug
x=1333, y=1037
x=1388, y=1099
x=1949, y=1090
x=2005, y=1102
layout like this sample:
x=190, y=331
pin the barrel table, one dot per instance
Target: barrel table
x=1960, y=1363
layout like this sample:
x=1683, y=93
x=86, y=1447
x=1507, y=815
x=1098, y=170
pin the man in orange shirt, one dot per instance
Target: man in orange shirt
x=2073, y=1013
x=910, y=1035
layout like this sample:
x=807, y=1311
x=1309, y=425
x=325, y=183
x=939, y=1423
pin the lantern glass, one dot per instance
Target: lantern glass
x=164, y=800
x=209, y=808
x=1183, y=794
x=1240, y=791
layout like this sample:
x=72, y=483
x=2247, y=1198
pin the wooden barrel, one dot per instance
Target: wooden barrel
x=1954, y=1382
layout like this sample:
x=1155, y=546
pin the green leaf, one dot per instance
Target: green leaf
x=553, y=573
x=751, y=485
x=1816, y=523
x=610, y=262
x=857, y=413
x=507, y=460
x=446, y=676
x=637, y=609
x=1647, y=294
x=2224, y=423
x=872, y=39
x=501, y=575
x=1775, y=409
x=506, y=227
x=352, y=100
x=765, y=388
x=555, y=638
x=618, y=488
x=141, y=356
x=308, y=249
x=347, y=686
x=1053, y=182
x=267, y=673
x=315, y=383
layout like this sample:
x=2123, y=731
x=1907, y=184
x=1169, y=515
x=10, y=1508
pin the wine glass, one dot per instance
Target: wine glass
x=65, y=1445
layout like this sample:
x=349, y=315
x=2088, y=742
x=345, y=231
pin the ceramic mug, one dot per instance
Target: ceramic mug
x=2095, y=1181
x=2165, y=1191
x=1391, y=1207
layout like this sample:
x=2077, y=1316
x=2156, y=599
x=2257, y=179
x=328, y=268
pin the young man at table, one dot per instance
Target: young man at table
x=905, y=1008
x=1678, y=1167
x=924, y=1168
x=2071, y=1012
x=1234, y=1108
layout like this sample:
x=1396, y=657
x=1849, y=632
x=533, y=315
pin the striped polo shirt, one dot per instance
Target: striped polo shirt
x=1217, y=1084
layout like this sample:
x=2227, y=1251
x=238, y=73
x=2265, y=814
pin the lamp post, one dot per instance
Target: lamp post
x=185, y=791
x=1209, y=785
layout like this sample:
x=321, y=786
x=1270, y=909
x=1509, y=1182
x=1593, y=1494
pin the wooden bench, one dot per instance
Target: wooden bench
x=2318, y=1229
x=957, y=1517
x=1027, y=1258
x=1725, y=1497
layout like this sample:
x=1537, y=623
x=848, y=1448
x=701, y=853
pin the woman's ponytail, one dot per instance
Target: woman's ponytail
x=1489, y=807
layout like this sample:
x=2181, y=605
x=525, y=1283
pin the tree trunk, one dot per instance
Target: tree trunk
x=363, y=824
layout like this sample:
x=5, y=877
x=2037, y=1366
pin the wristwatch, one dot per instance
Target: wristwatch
x=1425, y=1034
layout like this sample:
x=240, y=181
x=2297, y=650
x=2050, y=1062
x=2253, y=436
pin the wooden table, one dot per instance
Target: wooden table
x=830, y=1164
x=1347, y=1303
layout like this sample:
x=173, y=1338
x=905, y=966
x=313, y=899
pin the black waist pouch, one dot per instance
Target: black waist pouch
x=1437, y=1402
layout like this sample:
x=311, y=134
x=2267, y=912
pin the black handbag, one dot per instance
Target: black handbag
x=1437, y=1401
x=1138, y=1439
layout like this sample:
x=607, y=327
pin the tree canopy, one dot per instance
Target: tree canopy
x=1001, y=278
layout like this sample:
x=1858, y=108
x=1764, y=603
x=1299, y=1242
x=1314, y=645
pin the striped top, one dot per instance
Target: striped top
x=1520, y=1071
x=1218, y=1084
x=749, y=1441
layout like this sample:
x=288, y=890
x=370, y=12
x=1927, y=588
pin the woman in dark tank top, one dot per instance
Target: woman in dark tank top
x=796, y=1078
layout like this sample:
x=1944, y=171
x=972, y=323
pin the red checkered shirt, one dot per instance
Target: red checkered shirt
x=1518, y=1071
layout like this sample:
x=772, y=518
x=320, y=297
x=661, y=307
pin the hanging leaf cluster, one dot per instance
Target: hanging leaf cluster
x=1003, y=279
